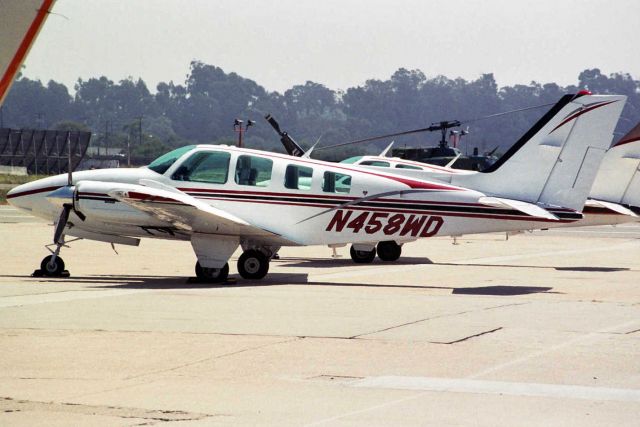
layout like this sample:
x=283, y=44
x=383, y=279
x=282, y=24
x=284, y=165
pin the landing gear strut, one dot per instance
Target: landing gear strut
x=215, y=275
x=362, y=257
x=389, y=251
x=253, y=264
x=53, y=265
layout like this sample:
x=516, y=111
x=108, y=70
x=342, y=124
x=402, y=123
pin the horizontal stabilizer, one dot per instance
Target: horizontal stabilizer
x=528, y=208
x=615, y=207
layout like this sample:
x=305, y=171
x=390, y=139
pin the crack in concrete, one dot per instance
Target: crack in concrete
x=8, y=404
x=436, y=317
x=469, y=337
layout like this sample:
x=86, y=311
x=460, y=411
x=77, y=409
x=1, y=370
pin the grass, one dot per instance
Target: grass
x=17, y=180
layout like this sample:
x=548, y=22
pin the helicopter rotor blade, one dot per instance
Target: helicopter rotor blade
x=274, y=124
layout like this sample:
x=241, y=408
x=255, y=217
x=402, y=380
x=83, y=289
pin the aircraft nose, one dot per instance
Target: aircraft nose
x=14, y=196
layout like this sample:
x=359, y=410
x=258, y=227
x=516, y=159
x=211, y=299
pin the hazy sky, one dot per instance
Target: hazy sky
x=339, y=43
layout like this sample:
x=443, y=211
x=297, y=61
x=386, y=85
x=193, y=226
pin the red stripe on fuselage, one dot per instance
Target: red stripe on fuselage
x=30, y=192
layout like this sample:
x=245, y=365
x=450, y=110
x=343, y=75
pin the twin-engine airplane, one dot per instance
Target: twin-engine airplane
x=221, y=197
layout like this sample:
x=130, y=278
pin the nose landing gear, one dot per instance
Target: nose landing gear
x=53, y=265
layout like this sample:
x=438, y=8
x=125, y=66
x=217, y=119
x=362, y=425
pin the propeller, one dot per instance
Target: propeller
x=292, y=147
x=65, y=197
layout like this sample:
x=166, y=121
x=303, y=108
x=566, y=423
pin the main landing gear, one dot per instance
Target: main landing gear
x=389, y=251
x=214, y=275
x=253, y=264
x=386, y=251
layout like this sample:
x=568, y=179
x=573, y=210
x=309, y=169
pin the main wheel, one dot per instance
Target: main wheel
x=362, y=257
x=50, y=268
x=212, y=274
x=253, y=265
x=389, y=251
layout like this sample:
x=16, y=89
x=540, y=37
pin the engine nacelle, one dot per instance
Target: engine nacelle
x=93, y=200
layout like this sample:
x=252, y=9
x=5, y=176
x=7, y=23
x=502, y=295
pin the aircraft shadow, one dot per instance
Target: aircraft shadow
x=273, y=279
x=346, y=261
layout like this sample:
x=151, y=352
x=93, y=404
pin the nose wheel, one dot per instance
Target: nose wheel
x=52, y=266
x=214, y=275
x=253, y=265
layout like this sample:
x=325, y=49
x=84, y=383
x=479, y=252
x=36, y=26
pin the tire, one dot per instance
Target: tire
x=253, y=265
x=362, y=257
x=215, y=275
x=49, y=269
x=389, y=251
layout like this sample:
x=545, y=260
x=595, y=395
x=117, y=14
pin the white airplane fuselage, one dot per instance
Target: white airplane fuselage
x=419, y=208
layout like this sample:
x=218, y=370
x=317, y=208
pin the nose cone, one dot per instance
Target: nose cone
x=13, y=196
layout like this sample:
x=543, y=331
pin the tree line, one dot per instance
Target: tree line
x=203, y=109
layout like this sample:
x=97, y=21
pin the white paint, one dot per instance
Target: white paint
x=460, y=385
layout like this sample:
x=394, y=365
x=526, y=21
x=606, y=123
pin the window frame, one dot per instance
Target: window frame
x=203, y=153
x=237, y=168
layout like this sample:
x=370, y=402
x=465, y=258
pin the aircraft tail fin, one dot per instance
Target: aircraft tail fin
x=618, y=179
x=556, y=161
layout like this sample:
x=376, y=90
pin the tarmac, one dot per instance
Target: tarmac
x=540, y=329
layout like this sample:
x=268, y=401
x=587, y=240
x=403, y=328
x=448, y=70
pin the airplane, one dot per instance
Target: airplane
x=20, y=23
x=613, y=199
x=221, y=197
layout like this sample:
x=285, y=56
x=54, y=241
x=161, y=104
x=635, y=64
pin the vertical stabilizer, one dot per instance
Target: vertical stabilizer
x=556, y=161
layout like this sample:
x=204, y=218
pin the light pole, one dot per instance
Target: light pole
x=237, y=127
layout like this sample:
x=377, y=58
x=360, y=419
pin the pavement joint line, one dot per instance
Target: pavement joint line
x=474, y=376
x=475, y=386
x=435, y=317
x=215, y=357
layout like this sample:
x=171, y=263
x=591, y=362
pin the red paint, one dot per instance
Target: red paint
x=579, y=113
x=36, y=191
x=23, y=49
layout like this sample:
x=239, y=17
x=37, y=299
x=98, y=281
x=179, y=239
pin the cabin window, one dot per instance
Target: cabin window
x=334, y=182
x=375, y=163
x=253, y=170
x=211, y=167
x=408, y=167
x=164, y=162
x=298, y=177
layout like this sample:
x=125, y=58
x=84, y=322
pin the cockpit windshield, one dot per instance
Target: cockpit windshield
x=164, y=162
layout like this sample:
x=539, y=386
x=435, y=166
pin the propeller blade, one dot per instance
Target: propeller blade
x=69, y=171
x=61, y=224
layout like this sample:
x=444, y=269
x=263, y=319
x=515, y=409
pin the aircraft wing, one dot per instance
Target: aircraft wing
x=20, y=22
x=190, y=214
